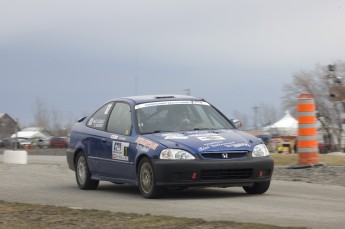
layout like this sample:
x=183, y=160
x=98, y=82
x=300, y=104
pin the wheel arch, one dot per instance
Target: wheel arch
x=140, y=157
x=76, y=152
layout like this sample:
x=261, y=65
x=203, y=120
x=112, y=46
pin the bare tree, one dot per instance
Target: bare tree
x=329, y=113
x=41, y=114
x=263, y=115
x=267, y=114
x=62, y=124
x=57, y=123
x=52, y=119
x=243, y=118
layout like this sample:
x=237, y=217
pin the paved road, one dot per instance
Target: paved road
x=47, y=180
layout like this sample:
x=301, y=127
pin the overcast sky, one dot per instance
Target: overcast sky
x=76, y=54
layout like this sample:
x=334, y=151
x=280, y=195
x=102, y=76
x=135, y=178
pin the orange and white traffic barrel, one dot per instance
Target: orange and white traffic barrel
x=307, y=145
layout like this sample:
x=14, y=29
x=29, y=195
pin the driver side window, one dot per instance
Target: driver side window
x=120, y=120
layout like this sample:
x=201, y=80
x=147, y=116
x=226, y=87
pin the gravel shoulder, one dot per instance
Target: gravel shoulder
x=318, y=175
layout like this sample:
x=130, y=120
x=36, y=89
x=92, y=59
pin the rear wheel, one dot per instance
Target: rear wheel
x=83, y=174
x=257, y=188
x=147, y=180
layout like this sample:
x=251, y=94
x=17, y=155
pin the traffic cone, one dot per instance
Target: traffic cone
x=307, y=145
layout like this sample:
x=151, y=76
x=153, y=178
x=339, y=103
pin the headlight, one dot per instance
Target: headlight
x=260, y=151
x=176, y=154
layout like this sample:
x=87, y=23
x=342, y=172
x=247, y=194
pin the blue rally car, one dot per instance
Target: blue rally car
x=157, y=142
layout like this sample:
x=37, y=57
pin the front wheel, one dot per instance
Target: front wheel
x=146, y=180
x=83, y=174
x=257, y=188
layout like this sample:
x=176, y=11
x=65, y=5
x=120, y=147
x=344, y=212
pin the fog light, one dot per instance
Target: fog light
x=194, y=175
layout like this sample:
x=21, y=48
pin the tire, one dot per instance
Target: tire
x=147, y=180
x=83, y=174
x=257, y=188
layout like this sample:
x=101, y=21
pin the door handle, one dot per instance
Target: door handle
x=104, y=140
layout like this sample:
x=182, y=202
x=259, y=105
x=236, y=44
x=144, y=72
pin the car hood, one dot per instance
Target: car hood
x=207, y=141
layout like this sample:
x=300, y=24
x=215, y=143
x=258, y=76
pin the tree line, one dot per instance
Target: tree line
x=321, y=82
x=53, y=120
x=318, y=82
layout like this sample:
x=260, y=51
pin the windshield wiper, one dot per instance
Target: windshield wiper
x=154, y=132
x=204, y=128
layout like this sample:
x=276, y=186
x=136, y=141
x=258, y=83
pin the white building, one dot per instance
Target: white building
x=32, y=132
x=287, y=126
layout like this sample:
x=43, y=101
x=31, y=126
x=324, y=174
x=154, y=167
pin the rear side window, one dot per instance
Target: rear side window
x=99, y=119
x=120, y=120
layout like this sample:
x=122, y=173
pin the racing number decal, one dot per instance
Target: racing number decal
x=120, y=151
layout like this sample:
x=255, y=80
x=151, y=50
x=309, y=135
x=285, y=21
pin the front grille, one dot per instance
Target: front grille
x=229, y=155
x=225, y=174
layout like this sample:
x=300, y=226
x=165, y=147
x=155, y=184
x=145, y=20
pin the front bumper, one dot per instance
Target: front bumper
x=216, y=173
x=70, y=158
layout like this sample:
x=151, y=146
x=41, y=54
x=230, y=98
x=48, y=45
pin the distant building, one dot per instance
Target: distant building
x=8, y=126
x=287, y=126
x=33, y=132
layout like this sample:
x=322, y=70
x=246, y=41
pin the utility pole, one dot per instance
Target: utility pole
x=337, y=94
x=136, y=85
x=337, y=90
x=16, y=136
x=255, y=117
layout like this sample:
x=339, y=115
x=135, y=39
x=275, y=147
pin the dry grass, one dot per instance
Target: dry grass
x=20, y=216
x=292, y=159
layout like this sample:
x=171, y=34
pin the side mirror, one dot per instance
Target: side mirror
x=237, y=123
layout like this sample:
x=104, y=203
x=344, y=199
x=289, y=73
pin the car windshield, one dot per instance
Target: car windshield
x=169, y=116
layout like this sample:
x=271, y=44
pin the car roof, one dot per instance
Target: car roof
x=157, y=98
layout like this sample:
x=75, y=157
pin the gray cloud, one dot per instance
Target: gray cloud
x=76, y=54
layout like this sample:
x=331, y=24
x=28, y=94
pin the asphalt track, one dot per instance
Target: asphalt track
x=47, y=180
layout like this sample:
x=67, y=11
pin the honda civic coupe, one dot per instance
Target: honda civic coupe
x=160, y=142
